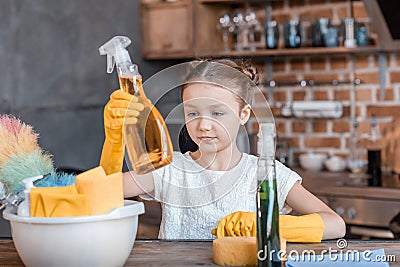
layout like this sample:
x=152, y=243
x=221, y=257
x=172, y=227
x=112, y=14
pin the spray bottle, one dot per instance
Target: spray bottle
x=148, y=142
x=24, y=207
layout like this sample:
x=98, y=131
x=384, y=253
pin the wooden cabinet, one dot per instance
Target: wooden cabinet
x=179, y=29
x=167, y=29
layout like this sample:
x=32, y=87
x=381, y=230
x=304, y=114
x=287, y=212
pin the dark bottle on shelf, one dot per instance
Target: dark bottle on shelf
x=271, y=34
x=292, y=34
x=374, y=147
x=268, y=239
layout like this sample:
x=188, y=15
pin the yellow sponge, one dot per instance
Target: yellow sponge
x=103, y=192
x=237, y=250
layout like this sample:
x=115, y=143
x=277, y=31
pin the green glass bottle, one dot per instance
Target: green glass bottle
x=268, y=239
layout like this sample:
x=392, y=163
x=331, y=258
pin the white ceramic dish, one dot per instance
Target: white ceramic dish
x=335, y=164
x=101, y=240
x=312, y=161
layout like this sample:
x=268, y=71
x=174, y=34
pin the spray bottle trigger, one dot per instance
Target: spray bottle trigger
x=110, y=63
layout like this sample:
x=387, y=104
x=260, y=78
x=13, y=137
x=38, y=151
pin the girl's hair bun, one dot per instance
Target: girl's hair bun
x=252, y=73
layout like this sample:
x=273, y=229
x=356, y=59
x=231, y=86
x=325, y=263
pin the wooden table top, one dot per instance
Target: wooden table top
x=190, y=253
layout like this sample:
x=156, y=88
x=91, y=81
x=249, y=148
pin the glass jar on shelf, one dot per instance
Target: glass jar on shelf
x=357, y=151
x=226, y=27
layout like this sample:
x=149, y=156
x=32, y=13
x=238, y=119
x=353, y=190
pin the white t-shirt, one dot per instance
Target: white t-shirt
x=194, y=199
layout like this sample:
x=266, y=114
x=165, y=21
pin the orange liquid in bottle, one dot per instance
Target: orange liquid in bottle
x=148, y=142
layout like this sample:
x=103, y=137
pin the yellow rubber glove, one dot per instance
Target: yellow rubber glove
x=305, y=228
x=121, y=109
x=239, y=223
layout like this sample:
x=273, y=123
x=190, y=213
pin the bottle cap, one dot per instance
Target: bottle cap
x=266, y=139
x=28, y=182
x=115, y=51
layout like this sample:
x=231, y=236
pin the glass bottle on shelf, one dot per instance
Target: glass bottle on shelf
x=251, y=24
x=374, y=147
x=239, y=23
x=268, y=239
x=272, y=34
x=226, y=27
x=356, y=161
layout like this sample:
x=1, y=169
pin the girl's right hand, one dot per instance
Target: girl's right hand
x=121, y=109
x=238, y=223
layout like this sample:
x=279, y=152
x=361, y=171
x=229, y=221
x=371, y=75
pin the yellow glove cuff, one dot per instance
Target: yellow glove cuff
x=112, y=157
x=305, y=228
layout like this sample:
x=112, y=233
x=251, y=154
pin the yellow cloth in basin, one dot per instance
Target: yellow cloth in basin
x=103, y=192
x=61, y=201
x=305, y=228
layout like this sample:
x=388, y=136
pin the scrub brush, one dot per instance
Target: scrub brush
x=56, y=179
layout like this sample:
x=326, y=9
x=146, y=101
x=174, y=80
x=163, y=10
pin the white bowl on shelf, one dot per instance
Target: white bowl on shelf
x=312, y=161
x=100, y=240
x=335, y=164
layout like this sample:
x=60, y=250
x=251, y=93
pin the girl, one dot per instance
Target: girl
x=199, y=188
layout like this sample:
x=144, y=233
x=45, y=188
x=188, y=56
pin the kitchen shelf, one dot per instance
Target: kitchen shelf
x=293, y=52
x=263, y=2
x=306, y=51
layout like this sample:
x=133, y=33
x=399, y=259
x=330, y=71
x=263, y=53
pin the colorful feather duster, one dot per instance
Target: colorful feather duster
x=19, y=167
x=16, y=137
x=20, y=155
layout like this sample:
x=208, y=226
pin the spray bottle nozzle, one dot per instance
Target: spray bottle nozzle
x=115, y=51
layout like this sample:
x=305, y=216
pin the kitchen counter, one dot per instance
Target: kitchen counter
x=190, y=253
x=367, y=211
x=340, y=183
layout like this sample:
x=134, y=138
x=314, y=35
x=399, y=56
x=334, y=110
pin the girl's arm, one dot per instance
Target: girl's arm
x=135, y=184
x=304, y=202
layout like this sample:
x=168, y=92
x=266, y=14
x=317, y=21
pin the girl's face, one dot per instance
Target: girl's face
x=213, y=116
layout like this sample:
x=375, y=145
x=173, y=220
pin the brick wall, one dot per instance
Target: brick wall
x=330, y=135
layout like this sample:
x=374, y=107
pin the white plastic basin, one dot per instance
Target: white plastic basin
x=102, y=240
